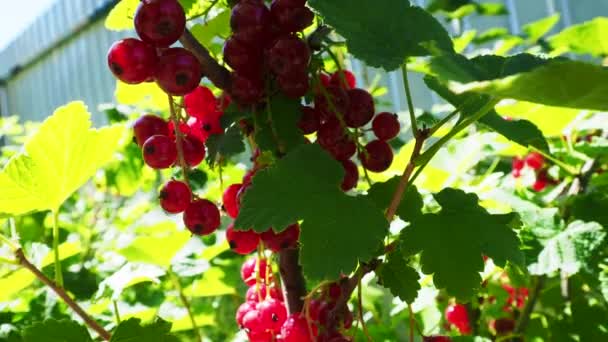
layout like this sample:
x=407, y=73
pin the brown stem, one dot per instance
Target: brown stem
x=216, y=73
x=179, y=140
x=104, y=334
x=524, y=318
x=292, y=279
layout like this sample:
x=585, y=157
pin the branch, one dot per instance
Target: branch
x=524, y=318
x=104, y=334
x=219, y=75
x=292, y=279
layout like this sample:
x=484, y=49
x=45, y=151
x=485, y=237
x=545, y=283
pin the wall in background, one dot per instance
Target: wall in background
x=61, y=57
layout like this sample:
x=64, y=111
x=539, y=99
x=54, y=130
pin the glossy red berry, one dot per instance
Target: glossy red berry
x=386, y=126
x=334, y=336
x=436, y=338
x=159, y=152
x=272, y=314
x=541, y=182
x=246, y=91
x=504, y=326
x=342, y=149
x=248, y=270
x=535, y=160
x=294, y=84
x=330, y=132
x=351, y=175
x=288, y=54
x=230, y=200
x=147, y=126
x=255, y=292
x=243, y=310
x=457, y=315
x=334, y=291
x=344, y=79
x=250, y=22
x=243, y=58
x=200, y=102
x=517, y=163
x=175, y=197
x=202, y=217
x=290, y=17
x=205, y=126
x=339, y=102
x=178, y=72
x=160, y=22
x=378, y=156
x=309, y=121
x=132, y=61
x=295, y=329
x=242, y=242
x=194, y=150
x=361, y=108
x=288, y=238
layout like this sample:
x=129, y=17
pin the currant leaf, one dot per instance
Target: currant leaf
x=399, y=277
x=381, y=33
x=53, y=330
x=452, y=241
x=227, y=145
x=132, y=330
x=411, y=203
x=58, y=159
x=305, y=185
x=278, y=125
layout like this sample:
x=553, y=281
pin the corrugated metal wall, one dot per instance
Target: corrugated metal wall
x=63, y=54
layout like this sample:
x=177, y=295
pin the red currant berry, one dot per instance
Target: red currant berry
x=254, y=290
x=288, y=54
x=378, y=156
x=202, y=217
x=330, y=132
x=457, y=315
x=343, y=149
x=314, y=309
x=386, y=126
x=175, y=197
x=242, y=58
x=517, y=163
x=178, y=72
x=291, y=18
x=250, y=22
x=200, y=102
x=361, y=108
x=243, y=310
x=294, y=84
x=132, y=61
x=246, y=91
x=436, y=338
x=335, y=290
x=309, y=121
x=334, y=336
x=504, y=326
x=351, y=175
x=183, y=127
x=272, y=314
x=194, y=150
x=159, y=152
x=339, y=102
x=541, y=182
x=259, y=336
x=344, y=79
x=160, y=22
x=296, y=329
x=230, y=201
x=535, y=160
x=277, y=242
x=251, y=321
x=147, y=126
x=242, y=242
x=206, y=126
x=248, y=270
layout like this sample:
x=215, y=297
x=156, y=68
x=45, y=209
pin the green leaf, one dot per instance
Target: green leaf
x=520, y=131
x=491, y=34
x=144, y=248
x=570, y=249
x=381, y=33
x=585, y=38
x=446, y=5
x=552, y=121
x=452, y=241
x=127, y=276
x=305, y=185
x=592, y=206
x=560, y=83
x=596, y=149
x=411, y=203
x=537, y=29
x=121, y=16
x=399, y=277
x=132, y=330
x=56, y=331
x=277, y=126
x=212, y=284
x=227, y=145
x=218, y=26
x=58, y=159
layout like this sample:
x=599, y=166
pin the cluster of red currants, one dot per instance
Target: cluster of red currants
x=264, y=46
x=340, y=110
x=159, y=23
x=264, y=315
x=457, y=315
x=536, y=162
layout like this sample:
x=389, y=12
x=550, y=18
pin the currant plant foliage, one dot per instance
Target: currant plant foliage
x=254, y=182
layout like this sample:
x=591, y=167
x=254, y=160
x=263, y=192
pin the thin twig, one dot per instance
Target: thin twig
x=58, y=271
x=216, y=73
x=412, y=322
x=179, y=140
x=524, y=318
x=410, y=103
x=104, y=334
x=360, y=304
x=185, y=303
x=116, y=312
